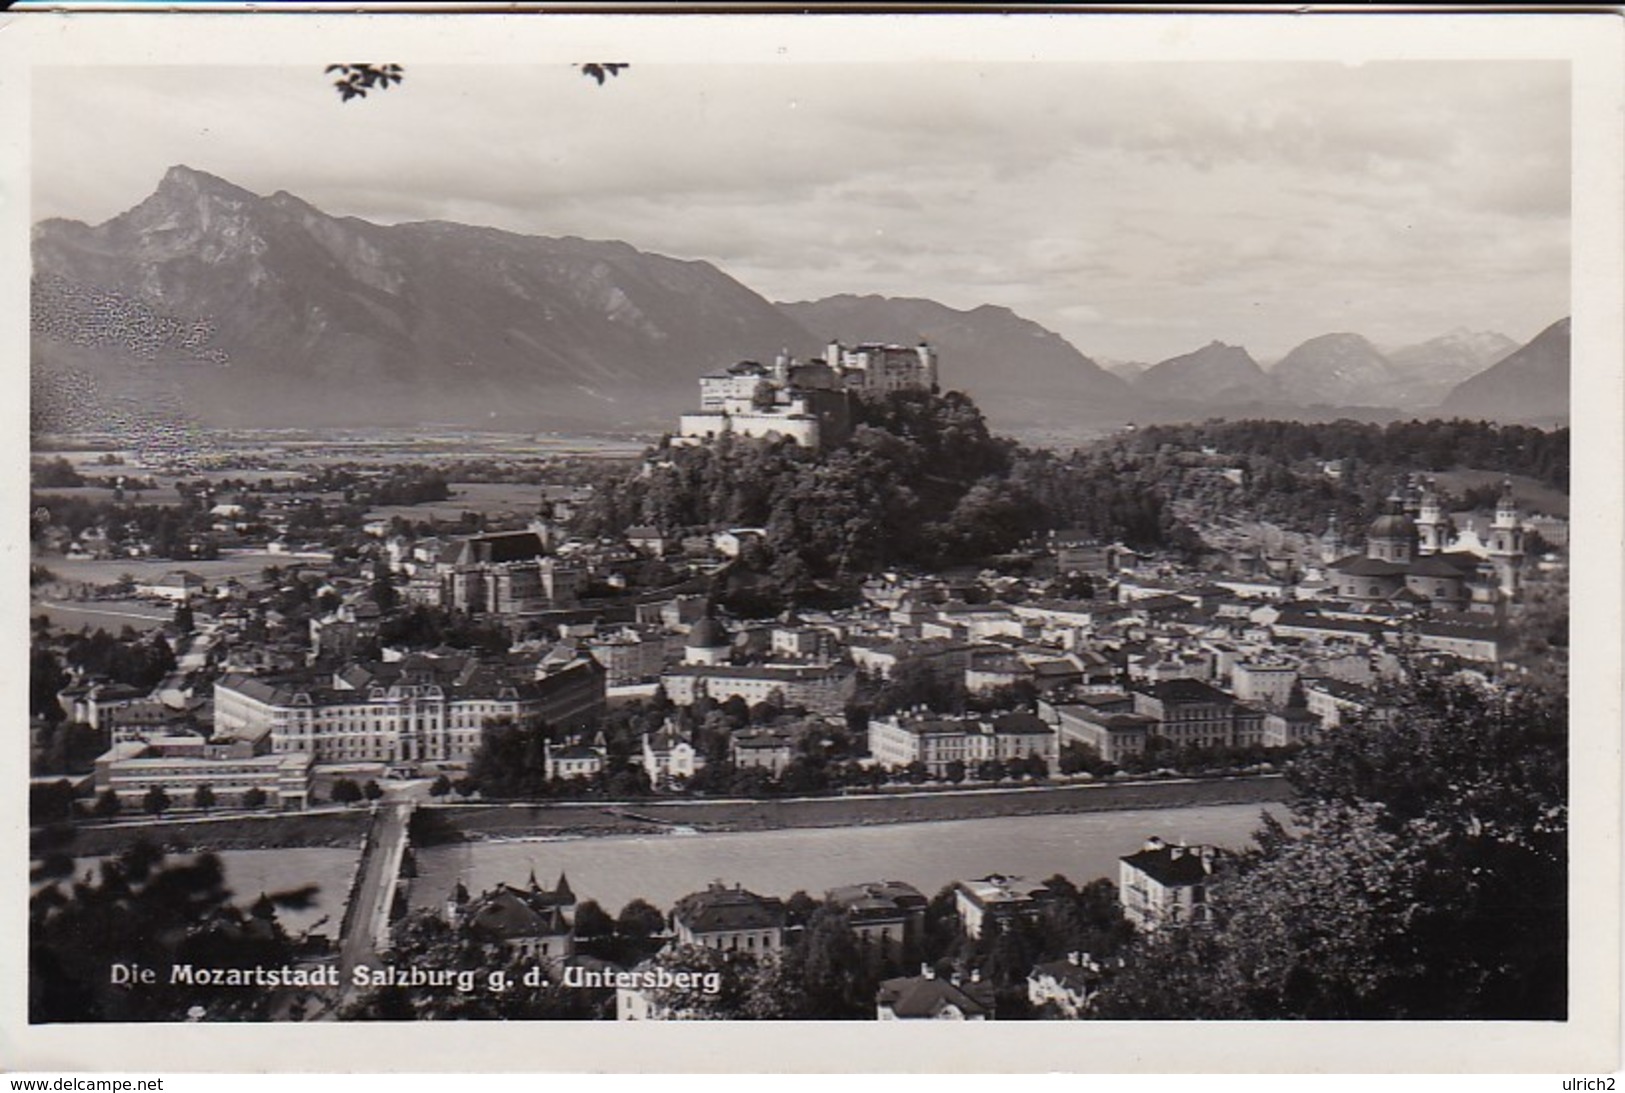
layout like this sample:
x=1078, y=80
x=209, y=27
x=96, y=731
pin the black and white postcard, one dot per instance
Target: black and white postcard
x=679, y=542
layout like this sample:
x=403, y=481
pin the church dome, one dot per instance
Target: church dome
x=708, y=634
x=1393, y=523
x=1392, y=526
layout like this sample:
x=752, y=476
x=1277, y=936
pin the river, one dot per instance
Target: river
x=613, y=870
x=250, y=872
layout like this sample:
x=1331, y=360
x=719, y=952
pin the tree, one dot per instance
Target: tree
x=838, y=979
x=440, y=786
x=639, y=920
x=355, y=80
x=592, y=921
x=45, y=679
x=254, y=797
x=955, y=771
x=346, y=792
x=107, y=804
x=372, y=790
x=1424, y=878
x=143, y=909
x=203, y=797
x=50, y=802
x=156, y=801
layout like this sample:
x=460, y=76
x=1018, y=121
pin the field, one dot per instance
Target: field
x=108, y=571
x=489, y=498
x=1532, y=496
x=109, y=615
x=164, y=495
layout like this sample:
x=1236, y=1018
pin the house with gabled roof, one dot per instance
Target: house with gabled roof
x=929, y=997
x=538, y=923
x=729, y=919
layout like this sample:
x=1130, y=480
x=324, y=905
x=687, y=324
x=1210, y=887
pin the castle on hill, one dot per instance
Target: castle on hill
x=808, y=402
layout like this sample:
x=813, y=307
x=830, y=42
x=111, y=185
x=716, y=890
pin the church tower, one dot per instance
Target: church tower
x=1331, y=543
x=1506, y=541
x=1432, y=534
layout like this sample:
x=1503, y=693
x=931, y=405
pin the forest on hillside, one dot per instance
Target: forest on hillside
x=922, y=482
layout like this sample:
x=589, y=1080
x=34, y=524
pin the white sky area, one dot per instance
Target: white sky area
x=1139, y=209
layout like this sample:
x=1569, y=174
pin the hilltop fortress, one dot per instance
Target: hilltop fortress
x=808, y=402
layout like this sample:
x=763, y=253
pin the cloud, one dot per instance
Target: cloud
x=1130, y=206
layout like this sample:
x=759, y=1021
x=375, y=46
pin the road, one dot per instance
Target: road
x=368, y=916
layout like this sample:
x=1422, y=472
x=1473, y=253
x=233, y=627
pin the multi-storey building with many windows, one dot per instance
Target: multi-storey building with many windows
x=421, y=709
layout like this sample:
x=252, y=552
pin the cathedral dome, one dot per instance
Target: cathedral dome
x=1392, y=525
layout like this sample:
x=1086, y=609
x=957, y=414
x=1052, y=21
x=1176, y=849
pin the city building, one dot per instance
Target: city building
x=1190, y=713
x=771, y=749
x=1068, y=985
x=537, y=923
x=567, y=761
x=1164, y=883
x=669, y=759
x=1112, y=732
x=822, y=689
x=422, y=708
x=898, y=740
x=888, y=917
x=1264, y=683
x=729, y=919
x=629, y=655
x=1288, y=726
x=176, y=586
x=996, y=900
x=180, y=765
x=502, y=573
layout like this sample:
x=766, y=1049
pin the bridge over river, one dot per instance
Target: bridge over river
x=365, y=929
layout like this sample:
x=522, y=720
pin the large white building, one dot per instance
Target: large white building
x=935, y=742
x=819, y=688
x=803, y=401
x=421, y=709
x=180, y=765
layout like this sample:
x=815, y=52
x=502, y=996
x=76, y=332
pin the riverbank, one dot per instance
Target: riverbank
x=273, y=831
x=440, y=824
x=454, y=823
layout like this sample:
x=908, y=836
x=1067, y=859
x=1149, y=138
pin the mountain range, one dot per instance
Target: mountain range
x=223, y=306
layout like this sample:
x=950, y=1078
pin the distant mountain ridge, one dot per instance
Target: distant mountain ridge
x=1530, y=385
x=1216, y=373
x=210, y=301
x=336, y=319
x=1341, y=369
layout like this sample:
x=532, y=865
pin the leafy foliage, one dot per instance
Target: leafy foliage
x=919, y=482
x=355, y=80
x=144, y=909
x=603, y=70
x=1426, y=879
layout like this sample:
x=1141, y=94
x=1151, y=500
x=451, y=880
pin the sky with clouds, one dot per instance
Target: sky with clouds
x=1139, y=209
